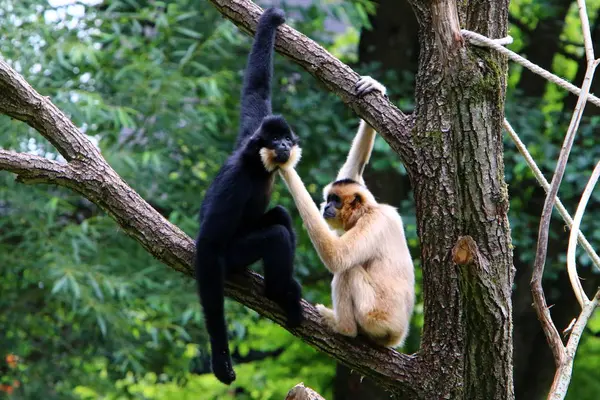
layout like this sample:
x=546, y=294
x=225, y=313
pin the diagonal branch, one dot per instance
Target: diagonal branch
x=376, y=109
x=90, y=175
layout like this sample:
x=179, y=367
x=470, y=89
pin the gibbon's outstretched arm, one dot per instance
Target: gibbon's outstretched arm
x=362, y=145
x=256, y=90
x=338, y=253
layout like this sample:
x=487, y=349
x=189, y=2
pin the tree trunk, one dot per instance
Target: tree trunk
x=457, y=172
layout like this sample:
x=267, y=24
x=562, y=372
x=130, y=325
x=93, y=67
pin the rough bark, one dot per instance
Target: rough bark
x=453, y=153
x=458, y=178
x=301, y=392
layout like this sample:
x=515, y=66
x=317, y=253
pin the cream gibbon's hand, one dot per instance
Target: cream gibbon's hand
x=366, y=85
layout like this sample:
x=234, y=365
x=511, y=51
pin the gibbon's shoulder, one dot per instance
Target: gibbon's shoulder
x=390, y=213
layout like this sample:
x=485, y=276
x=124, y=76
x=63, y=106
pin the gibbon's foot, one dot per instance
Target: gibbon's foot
x=366, y=85
x=293, y=312
x=289, y=301
x=275, y=15
x=327, y=316
x=222, y=367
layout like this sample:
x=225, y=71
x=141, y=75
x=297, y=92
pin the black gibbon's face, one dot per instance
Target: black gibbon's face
x=281, y=143
x=278, y=142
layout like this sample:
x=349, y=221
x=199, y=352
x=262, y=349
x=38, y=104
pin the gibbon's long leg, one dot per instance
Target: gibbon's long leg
x=256, y=91
x=273, y=245
x=278, y=215
x=341, y=319
x=210, y=274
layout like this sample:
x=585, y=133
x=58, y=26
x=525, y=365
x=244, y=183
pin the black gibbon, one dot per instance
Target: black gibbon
x=373, y=283
x=235, y=230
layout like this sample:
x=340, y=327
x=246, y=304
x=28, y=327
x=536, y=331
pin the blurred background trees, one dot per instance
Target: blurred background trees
x=87, y=313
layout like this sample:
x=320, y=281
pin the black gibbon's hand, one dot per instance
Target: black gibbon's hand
x=275, y=15
x=366, y=85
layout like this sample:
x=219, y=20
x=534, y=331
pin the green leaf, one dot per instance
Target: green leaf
x=58, y=285
x=188, y=32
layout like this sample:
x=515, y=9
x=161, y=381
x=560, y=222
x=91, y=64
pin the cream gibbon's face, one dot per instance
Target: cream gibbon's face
x=345, y=202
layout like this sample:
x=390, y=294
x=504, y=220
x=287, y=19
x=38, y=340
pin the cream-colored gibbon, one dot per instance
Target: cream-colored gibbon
x=362, y=243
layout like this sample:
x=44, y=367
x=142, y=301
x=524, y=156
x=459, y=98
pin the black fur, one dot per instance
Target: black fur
x=235, y=230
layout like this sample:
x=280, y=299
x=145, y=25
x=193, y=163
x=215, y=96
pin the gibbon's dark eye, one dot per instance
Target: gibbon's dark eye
x=335, y=199
x=289, y=139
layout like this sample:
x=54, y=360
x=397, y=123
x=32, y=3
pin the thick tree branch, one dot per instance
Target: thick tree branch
x=377, y=110
x=90, y=175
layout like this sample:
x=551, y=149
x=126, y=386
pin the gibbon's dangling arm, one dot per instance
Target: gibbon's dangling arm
x=362, y=145
x=338, y=253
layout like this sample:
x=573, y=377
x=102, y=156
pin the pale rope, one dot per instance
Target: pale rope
x=544, y=183
x=497, y=44
x=480, y=40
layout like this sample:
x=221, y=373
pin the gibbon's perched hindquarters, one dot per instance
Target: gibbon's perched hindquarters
x=235, y=230
x=373, y=283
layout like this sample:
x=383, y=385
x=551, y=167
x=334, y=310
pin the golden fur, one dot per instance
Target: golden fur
x=373, y=283
x=268, y=158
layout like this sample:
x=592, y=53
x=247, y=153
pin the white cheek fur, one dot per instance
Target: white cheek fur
x=267, y=156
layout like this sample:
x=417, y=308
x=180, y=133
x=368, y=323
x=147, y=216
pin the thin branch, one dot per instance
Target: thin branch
x=585, y=29
x=546, y=186
x=562, y=377
x=571, y=264
x=539, y=300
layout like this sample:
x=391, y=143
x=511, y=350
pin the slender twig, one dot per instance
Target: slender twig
x=562, y=377
x=587, y=33
x=546, y=186
x=539, y=301
x=571, y=264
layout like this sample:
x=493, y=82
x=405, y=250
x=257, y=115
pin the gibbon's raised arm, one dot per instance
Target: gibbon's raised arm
x=338, y=253
x=359, y=154
x=362, y=144
x=256, y=89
